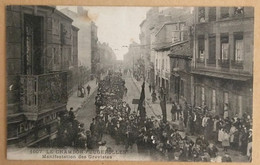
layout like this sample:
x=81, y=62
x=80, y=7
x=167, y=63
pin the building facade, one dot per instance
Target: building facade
x=95, y=56
x=222, y=63
x=155, y=18
x=73, y=73
x=180, y=67
x=41, y=50
x=170, y=35
x=88, y=42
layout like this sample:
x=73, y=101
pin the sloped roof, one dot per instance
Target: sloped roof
x=169, y=45
x=163, y=46
x=181, y=50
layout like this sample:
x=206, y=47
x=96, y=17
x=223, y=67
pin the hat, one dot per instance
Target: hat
x=102, y=107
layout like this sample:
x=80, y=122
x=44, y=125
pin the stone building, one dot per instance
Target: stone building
x=41, y=52
x=170, y=35
x=180, y=68
x=155, y=18
x=87, y=45
x=222, y=64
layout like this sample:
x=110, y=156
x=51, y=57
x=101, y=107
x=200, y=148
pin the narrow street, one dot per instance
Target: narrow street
x=134, y=93
x=156, y=83
x=87, y=112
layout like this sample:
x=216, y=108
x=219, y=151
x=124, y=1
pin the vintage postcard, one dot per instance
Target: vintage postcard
x=129, y=83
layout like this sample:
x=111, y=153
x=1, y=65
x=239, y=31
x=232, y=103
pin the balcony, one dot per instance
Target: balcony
x=42, y=93
x=223, y=63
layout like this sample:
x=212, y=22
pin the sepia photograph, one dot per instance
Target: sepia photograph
x=125, y=83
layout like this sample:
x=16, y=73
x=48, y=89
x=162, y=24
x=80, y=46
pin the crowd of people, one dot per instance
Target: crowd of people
x=227, y=133
x=160, y=139
x=71, y=132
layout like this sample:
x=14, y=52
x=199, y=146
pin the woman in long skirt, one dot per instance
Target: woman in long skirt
x=220, y=135
x=225, y=140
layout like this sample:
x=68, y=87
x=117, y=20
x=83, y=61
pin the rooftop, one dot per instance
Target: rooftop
x=180, y=50
x=168, y=46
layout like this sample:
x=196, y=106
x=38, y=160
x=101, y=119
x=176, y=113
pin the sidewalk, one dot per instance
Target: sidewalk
x=155, y=107
x=76, y=102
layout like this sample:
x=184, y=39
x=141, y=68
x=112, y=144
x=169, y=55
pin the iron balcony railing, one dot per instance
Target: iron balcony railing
x=42, y=92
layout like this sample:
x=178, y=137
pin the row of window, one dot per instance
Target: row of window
x=163, y=64
x=179, y=88
x=238, y=55
x=178, y=34
x=226, y=101
x=224, y=13
x=56, y=56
